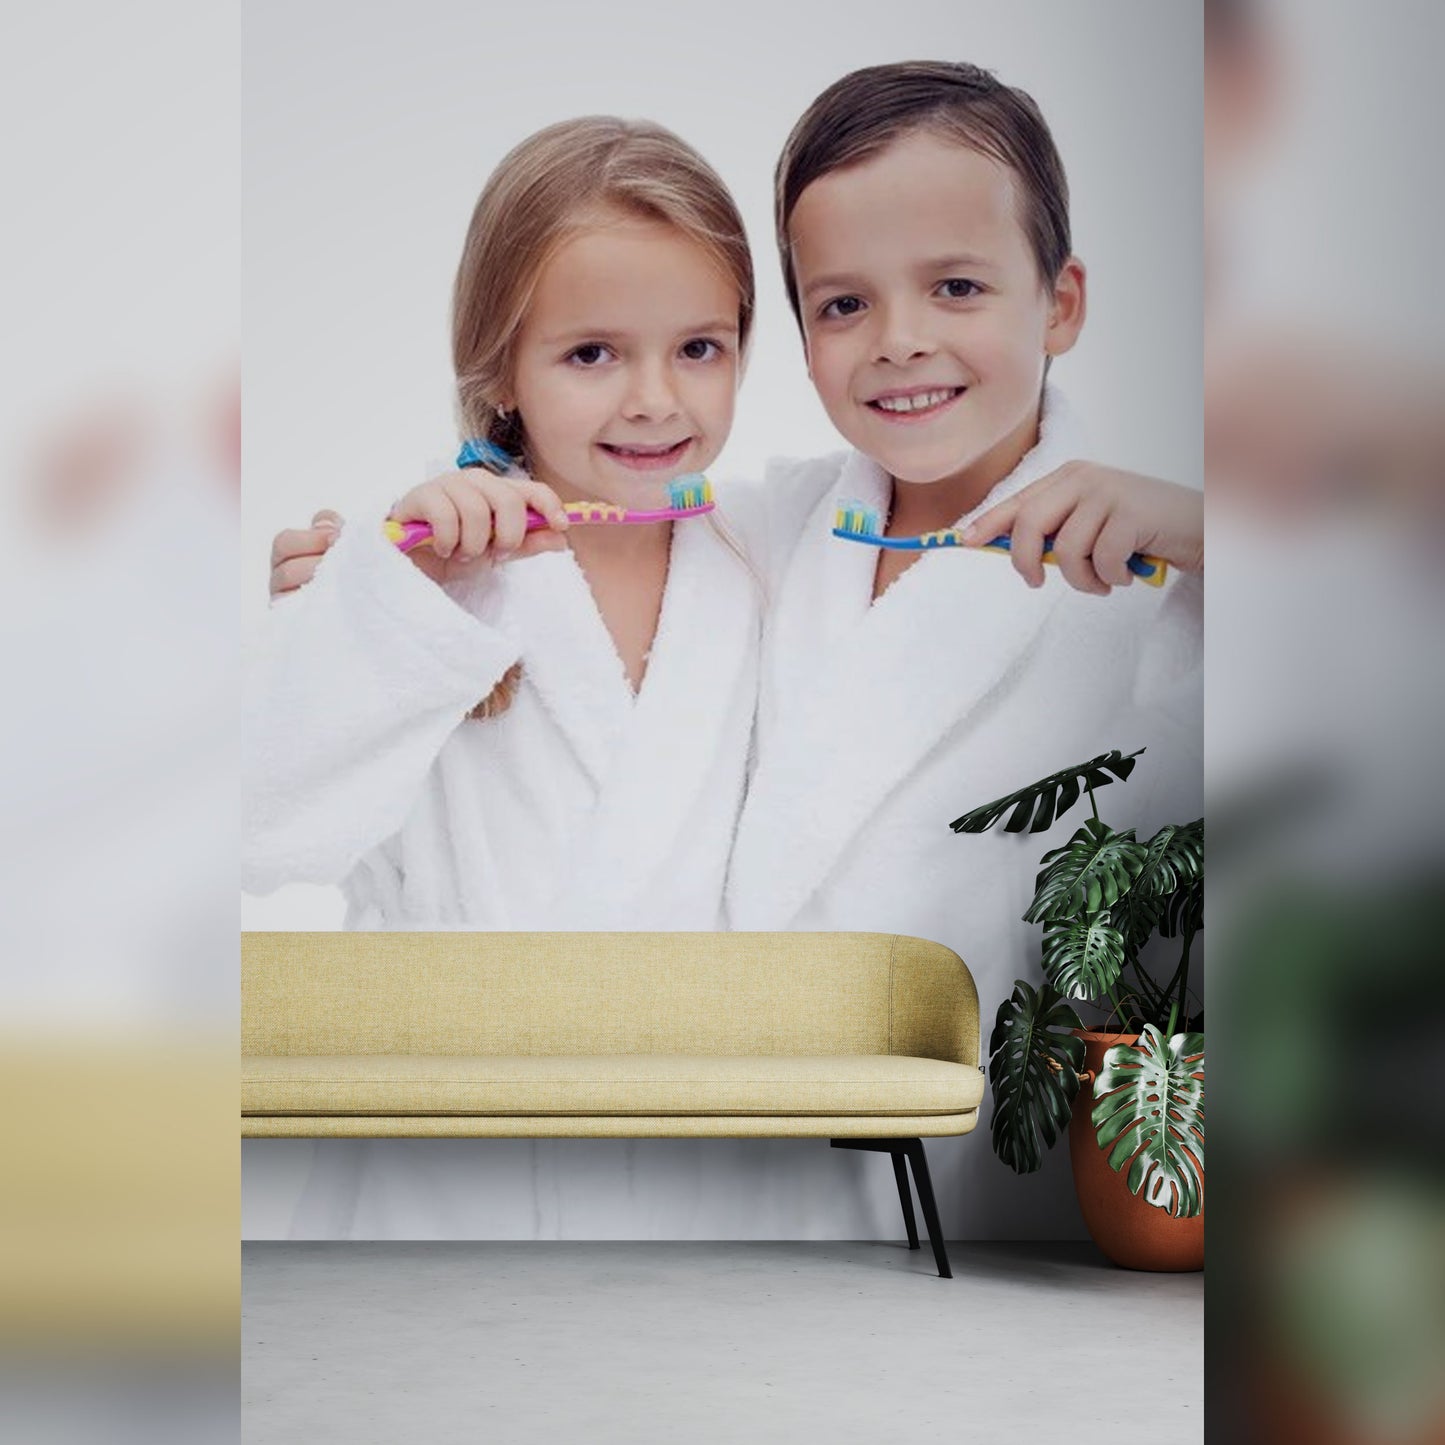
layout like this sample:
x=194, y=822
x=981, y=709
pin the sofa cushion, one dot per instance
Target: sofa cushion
x=607, y=1084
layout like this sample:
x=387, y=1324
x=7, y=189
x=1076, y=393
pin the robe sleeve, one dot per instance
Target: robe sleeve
x=1171, y=672
x=358, y=681
x=1168, y=703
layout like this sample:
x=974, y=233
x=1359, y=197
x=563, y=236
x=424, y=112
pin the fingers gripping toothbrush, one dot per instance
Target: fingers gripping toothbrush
x=689, y=496
x=855, y=522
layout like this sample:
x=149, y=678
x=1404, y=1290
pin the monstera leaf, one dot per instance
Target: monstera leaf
x=1173, y=869
x=1083, y=958
x=1183, y=911
x=1135, y=916
x=1149, y=1113
x=1093, y=870
x=1034, y=1062
x=1173, y=858
x=1046, y=801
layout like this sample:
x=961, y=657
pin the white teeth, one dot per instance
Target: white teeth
x=921, y=402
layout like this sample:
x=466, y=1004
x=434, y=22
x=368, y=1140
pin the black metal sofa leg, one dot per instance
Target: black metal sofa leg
x=921, y=1181
x=912, y=1150
x=905, y=1197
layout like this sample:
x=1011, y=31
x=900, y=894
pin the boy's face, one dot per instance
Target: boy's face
x=925, y=320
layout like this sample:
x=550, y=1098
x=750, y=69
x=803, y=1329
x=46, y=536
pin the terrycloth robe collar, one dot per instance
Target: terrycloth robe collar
x=651, y=754
x=856, y=693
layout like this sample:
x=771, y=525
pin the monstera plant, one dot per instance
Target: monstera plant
x=1100, y=898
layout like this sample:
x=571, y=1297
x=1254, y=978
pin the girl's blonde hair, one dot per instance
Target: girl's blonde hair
x=544, y=191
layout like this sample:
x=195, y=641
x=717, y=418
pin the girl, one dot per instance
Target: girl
x=511, y=732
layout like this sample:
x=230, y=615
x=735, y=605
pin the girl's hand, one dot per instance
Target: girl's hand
x=1098, y=516
x=477, y=518
x=296, y=553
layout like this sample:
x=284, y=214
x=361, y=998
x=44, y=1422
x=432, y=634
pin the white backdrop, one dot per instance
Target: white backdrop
x=369, y=130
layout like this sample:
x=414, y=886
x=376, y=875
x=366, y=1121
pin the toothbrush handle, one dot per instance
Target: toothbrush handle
x=408, y=536
x=1143, y=565
x=1148, y=568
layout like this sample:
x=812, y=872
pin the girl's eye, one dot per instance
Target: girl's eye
x=842, y=306
x=588, y=354
x=701, y=348
x=957, y=289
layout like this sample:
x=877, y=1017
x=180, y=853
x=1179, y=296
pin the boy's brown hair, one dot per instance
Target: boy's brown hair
x=857, y=116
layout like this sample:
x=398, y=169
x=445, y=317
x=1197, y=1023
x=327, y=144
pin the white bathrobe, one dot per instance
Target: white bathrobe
x=880, y=722
x=580, y=807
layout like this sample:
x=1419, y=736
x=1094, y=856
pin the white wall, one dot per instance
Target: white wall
x=369, y=130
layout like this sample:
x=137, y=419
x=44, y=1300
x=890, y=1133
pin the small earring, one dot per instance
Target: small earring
x=503, y=413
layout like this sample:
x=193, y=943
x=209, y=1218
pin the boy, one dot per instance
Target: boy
x=923, y=227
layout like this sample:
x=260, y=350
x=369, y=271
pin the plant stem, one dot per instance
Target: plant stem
x=1118, y=1006
x=1157, y=997
x=1092, y=803
x=1184, y=982
x=1181, y=981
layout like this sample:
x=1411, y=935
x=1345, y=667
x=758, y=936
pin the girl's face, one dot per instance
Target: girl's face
x=626, y=366
x=924, y=317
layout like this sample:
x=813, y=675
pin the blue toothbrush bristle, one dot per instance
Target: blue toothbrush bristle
x=686, y=494
x=856, y=518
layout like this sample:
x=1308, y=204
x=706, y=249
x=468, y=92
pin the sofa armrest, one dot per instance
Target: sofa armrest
x=932, y=1003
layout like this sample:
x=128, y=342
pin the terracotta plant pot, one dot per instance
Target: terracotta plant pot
x=1133, y=1234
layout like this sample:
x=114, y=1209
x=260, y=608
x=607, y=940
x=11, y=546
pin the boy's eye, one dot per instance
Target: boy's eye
x=701, y=348
x=958, y=289
x=588, y=354
x=841, y=306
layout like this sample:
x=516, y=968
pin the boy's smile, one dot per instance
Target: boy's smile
x=926, y=322
x=910, y=403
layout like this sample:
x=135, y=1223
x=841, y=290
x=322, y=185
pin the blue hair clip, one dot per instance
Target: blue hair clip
x=481, y=452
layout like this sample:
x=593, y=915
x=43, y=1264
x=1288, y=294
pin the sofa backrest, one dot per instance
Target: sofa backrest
x=605, y=993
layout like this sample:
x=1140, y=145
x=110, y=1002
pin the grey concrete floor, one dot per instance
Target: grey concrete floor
x=641, y=1342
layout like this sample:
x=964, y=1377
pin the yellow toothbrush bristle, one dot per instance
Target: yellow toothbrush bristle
x=856, y=518
x=688, y=493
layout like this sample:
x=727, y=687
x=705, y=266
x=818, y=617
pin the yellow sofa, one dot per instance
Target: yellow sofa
x=868, y=1040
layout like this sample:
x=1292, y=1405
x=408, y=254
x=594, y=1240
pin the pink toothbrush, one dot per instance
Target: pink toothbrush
x=689, y=496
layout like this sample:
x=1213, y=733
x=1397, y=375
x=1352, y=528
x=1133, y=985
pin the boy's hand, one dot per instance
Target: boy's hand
x=295, y=553
x=1098, y=517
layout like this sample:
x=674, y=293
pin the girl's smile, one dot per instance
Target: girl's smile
x=663, y=456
